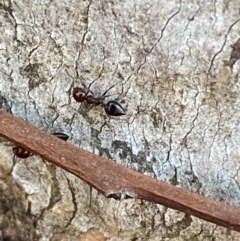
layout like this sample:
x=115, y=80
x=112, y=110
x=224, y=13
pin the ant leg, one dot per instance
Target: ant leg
x=90, y=199
x=83, y=108
x=13, y=164
x=81, y=79
x=88, y=89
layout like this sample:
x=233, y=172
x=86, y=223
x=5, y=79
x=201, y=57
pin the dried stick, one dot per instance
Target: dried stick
x=114, y=180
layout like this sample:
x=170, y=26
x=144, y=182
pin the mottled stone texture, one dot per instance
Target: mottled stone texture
x=175, y=66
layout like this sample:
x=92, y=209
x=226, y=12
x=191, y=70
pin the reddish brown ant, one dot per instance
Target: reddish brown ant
x=112, y=107
x=23, y=153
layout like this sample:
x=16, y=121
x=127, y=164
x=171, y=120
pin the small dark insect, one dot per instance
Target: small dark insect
x=112, y=107
x=61, y=136
x=23, y=153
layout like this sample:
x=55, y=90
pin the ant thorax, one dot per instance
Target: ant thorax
x=94, y=100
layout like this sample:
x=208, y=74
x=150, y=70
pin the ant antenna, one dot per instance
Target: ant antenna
x=104, y=94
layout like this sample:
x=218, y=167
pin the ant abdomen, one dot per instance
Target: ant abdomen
x=113, y=108
x=61, y=136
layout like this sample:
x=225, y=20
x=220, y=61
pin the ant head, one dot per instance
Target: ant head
x=21, y=152
x=79, y=94
x=113, y=108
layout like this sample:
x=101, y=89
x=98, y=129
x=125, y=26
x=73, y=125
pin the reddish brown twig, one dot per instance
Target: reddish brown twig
x=110, y=178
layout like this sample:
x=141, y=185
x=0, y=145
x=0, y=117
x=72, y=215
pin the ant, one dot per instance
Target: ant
x=112, y=107
x=23, y=153
x=61, y=136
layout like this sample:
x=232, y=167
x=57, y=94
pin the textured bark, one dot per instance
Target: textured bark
x=176, y=69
